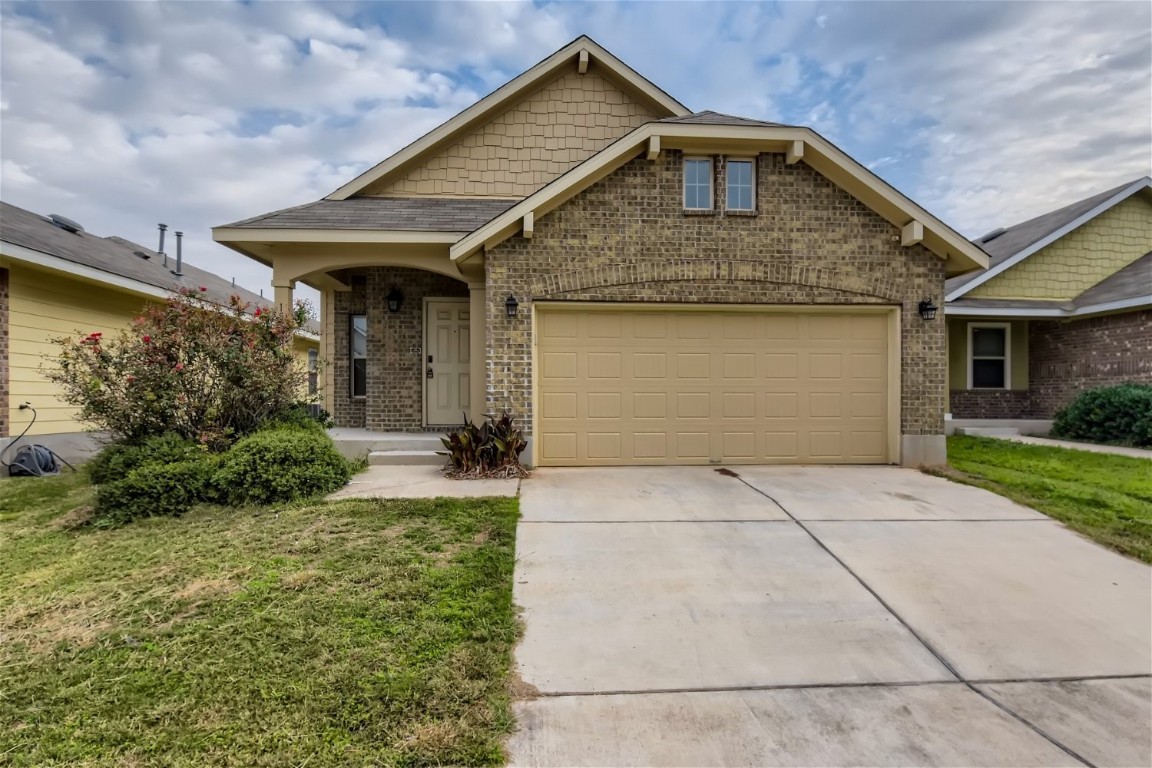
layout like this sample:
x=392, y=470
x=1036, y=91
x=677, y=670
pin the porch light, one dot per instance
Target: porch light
x=927, y=309
x=394, y=299
x=511, y=305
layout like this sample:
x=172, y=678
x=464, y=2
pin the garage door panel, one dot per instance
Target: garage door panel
x=641, y=387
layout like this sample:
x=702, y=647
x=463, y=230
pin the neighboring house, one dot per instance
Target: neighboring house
x=1065, y=306
x=639, y=283
x=57, y=282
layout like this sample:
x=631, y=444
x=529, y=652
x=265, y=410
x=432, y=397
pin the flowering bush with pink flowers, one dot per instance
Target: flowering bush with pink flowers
x=186, y=367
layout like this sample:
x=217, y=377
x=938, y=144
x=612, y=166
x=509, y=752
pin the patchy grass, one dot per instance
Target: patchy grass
x=1105, y=497
x=345, y=633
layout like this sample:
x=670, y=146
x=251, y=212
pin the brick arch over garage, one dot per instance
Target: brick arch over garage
x=701, y=272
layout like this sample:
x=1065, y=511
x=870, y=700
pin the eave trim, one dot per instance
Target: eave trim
x=822, y=155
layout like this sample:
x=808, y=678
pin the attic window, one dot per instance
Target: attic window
x=697, y=183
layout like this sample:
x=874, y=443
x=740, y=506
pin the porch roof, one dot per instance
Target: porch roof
x=422, y=214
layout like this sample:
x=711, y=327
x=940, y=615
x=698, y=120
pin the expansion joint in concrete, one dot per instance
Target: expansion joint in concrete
x=923, y=641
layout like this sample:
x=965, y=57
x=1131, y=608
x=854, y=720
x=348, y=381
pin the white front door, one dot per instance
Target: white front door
x=446, y=361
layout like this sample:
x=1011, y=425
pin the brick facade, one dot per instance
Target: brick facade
x=628, y=238
x=1064, y=359
x=4, y=354
x=394, y=400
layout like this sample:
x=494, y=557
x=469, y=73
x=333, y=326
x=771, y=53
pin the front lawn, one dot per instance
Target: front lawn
x=1105, y=497
x=322, y=634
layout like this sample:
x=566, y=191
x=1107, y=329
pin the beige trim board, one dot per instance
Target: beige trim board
x=508, y=94
x=958, y=253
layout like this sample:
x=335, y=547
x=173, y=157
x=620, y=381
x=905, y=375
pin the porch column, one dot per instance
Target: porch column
x=328, y=348
x=477, y=350
x=283, y=295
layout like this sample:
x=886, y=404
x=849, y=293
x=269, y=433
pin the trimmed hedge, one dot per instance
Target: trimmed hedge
x=167, y=477
x=1121, y=414
x=281, y=465
x=155, y=490
x=117, y=460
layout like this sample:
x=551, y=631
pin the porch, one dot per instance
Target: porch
x=388, y=448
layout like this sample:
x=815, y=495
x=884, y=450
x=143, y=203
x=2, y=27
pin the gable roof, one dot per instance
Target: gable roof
x=507, y=95
x=1020, y=241
x=112, y=256
x=708, y=117
x=712, y=128
x=425, y=214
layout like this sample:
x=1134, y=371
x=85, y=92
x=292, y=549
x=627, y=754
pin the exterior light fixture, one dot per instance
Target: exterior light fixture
x=927, y=309
x=394, y=299
x=511, y=305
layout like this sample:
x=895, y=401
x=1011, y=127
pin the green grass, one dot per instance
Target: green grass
x=1103, y=496
x=347, y=633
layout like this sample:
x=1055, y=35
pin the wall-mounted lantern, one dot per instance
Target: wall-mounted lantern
x=394, y=299
x=511, y=305
x=927, y=309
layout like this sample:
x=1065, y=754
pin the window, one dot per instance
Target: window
x=358, y=352
x=698, y=183
x=741, y=185
x=313, y=370
x=988, y=345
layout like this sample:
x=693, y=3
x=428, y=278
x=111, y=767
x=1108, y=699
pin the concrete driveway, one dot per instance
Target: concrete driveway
x=820, y=616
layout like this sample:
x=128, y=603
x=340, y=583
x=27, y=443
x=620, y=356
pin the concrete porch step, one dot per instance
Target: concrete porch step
x=354, y=443
x=403, y=458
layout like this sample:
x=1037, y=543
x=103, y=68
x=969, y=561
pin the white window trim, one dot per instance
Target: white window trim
x=1007, y=328
x=711, y=182
x=352, y=358
x=728, y=164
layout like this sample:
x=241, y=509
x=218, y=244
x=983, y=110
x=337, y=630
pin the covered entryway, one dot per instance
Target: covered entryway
x=633, y=384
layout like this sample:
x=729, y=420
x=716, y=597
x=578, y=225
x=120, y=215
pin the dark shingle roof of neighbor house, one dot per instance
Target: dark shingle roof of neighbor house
x=1132, y=282
x=708, y=117
x=1019, y=236
x=116, y=256
x=428, y=214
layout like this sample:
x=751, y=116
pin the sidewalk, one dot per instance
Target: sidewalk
x=1136, y=453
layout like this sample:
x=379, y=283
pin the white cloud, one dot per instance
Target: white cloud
x=124, y=114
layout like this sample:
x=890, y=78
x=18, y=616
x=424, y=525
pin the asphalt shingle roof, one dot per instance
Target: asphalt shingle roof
x=116, y=256
x=708, y=117
x=1134, y=281
x=1019, y=236
x=428, y=214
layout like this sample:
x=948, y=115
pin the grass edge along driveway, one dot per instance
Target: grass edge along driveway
x=1106, y=497
x=321, y=634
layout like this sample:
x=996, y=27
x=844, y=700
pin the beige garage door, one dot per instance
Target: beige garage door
x=631, y=386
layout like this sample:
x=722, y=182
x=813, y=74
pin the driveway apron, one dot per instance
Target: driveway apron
x=820, y=616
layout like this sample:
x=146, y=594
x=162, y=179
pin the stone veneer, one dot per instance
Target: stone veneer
x=394, y=400
x=628, y=238
x=1064, y=359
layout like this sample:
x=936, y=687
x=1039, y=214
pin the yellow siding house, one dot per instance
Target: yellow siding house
x=57, y=280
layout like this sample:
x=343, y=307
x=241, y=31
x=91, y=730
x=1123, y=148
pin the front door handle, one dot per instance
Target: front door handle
x=429, y=374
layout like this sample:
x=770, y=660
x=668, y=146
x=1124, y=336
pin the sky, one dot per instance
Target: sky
x=124, y=114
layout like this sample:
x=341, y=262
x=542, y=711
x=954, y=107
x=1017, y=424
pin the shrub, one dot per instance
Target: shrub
x=118, y=459
x=1121, y=414
x=281, y=465
x=154, y=490
x=305, y=416
x=201, y=371
x=494, y=447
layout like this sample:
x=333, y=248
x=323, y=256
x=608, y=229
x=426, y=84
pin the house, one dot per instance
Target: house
x=1065, y=306
x=56, y=279
x=638, y=282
